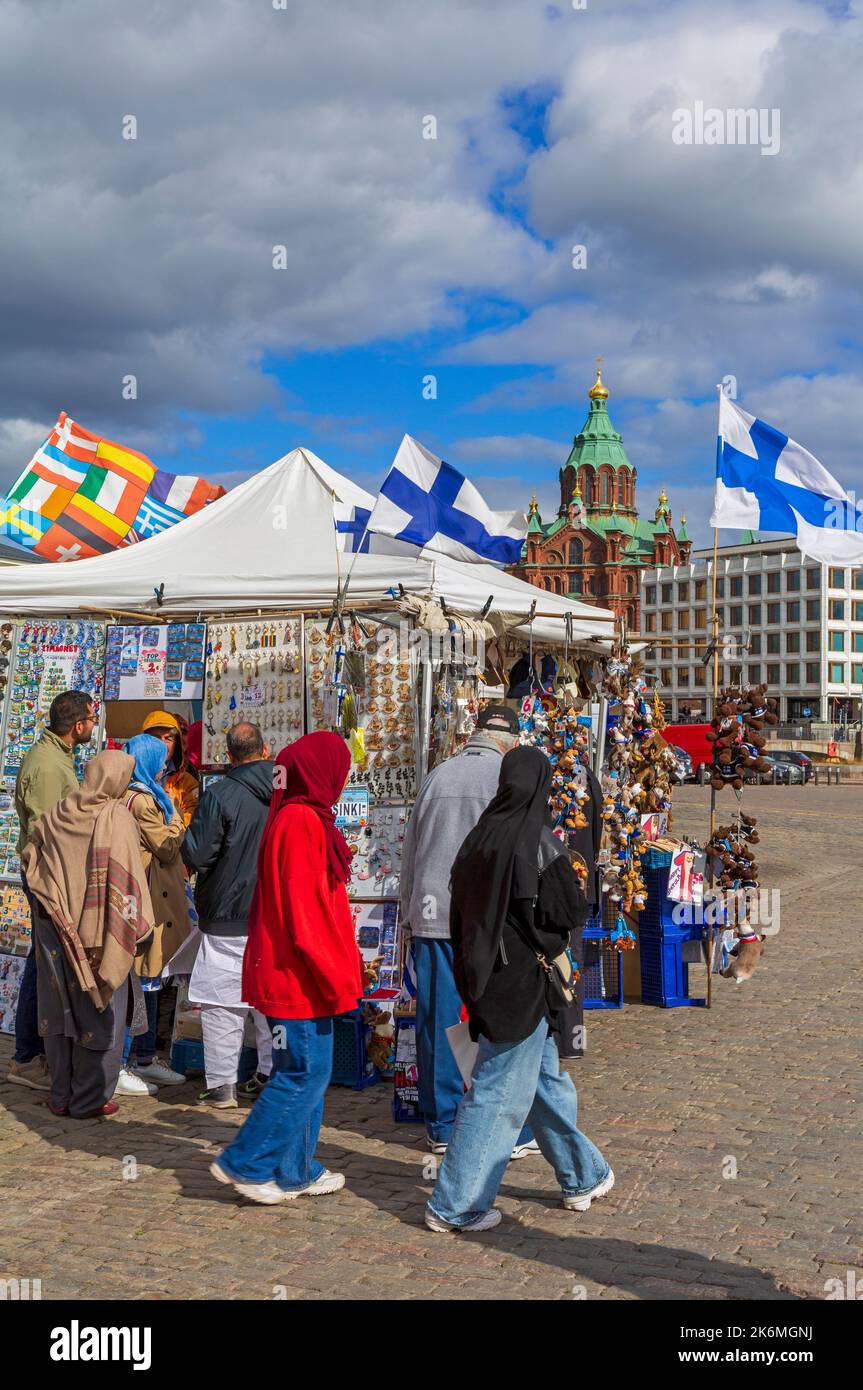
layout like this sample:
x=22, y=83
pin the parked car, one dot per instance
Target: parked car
x=785, y=773
x=801, y=760
x=692, y=739
x=683, y=771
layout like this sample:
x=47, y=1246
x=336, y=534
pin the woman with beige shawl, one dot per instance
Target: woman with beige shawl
x=83, y=866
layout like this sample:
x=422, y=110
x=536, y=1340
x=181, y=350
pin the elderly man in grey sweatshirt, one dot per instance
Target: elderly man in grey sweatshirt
x=450, y=802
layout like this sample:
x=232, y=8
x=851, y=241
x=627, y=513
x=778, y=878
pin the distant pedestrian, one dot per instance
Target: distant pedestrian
x=450, y=802
x=222, y=844
x=180, y=781
x=92, y=908
x=302, y=968
x=46, y=775
x=515, y=898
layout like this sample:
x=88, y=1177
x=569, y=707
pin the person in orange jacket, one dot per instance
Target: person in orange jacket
x=179, y=782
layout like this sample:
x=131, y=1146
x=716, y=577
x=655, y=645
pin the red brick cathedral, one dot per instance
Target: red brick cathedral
x=597, y=545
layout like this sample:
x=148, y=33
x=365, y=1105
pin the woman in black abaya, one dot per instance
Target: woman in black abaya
x=514, y=898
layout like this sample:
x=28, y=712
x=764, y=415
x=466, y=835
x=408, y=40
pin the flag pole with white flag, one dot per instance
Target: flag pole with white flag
x=766, y=481
x=427, y=503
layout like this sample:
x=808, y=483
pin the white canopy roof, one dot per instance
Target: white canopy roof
x=270, y=543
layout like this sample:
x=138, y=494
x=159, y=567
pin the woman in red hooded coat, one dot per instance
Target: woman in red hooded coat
x=302, y=967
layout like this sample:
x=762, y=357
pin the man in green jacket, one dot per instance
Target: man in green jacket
x=46, y=775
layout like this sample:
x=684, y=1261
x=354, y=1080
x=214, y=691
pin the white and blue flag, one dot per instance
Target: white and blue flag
x=765, y=481
x=428, y=503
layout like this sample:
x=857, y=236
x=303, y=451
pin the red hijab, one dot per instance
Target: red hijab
x=313, y=773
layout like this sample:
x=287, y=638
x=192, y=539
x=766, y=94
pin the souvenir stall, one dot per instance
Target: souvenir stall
x=249, y=610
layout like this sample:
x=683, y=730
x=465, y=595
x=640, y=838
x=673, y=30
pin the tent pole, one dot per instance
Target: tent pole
x=714, y=633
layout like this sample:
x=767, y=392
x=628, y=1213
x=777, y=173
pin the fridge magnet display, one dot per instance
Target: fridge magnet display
x=379, y=938
x=10, y=865
x=155, y=662
x=254, y=671
x=14, y=920
x=11, y=970
x=377, y=852
x=50, y=657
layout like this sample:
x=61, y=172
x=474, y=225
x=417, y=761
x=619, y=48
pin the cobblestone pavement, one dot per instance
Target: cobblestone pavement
x=769, y=1078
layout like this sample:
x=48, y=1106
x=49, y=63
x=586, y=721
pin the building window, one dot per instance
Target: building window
x=606, y=486
x=699, y=677
x=836, y=579
x=813, y=673
x=755, y=673
x=857, y=579
x=700, y=622
x=666, y=676
x=773, y=676
x=668, y=593
x=576, y=551
x=773, y=639
x=836, y=642
x=755, y=583
x=837, y=609
x=683, y=676
x=792, y=673
x=650, y=594
x=857, y=673
x=736, y=615
x=837, y=673
x=668, y=622
x=813, y=641
x=857, y=611
x=701, y=589
x=857, y=641
x=683, y=620
x=792, y=641
x=683, y=593
x=755, y=615
x=813, y=579
x=792, y=611
x=735, y=586
x=755, y=644
x=792, y=581
x=774, y=613
x=650, y=622
x=813, y=610
x=774, y=579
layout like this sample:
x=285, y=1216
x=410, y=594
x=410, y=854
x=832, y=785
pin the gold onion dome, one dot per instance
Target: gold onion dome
x=598, y=392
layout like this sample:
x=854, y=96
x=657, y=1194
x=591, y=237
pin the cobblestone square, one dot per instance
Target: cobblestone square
x=769, y=1080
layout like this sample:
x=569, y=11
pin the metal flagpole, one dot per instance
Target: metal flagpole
x=714, y=637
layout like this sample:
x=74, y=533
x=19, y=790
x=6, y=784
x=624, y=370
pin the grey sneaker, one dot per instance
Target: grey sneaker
x=486, y=1222
x=33, y=1073
x=219, y=1097
x=253, y=1087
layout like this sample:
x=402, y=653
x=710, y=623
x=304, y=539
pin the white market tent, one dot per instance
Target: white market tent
x=271, y=543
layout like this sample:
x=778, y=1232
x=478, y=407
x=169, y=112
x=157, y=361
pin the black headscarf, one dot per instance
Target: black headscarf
x=482, y=877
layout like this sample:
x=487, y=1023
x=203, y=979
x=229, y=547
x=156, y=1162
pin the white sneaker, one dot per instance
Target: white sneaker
x=128, y=1084
x=159, y=1073
x=581, y=1201
x=436, y=1148
x=486, y=1222
x=327, y=1182
x=267, y=1193
x=528, y=1150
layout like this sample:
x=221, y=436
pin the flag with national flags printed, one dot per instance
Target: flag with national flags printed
x=83, y=495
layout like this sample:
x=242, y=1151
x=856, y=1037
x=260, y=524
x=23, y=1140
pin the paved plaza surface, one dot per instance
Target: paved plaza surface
x=768, y=1081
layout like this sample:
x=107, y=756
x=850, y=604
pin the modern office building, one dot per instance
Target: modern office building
x=790, y=622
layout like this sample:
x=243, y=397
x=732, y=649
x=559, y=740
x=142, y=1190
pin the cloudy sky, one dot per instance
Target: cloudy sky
x=304, y=126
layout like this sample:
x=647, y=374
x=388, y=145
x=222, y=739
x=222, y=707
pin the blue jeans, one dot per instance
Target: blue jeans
x=439, y=1080
x=512, y=1082
x=28, y=1042
x=144, y=1045
x=278, y=1141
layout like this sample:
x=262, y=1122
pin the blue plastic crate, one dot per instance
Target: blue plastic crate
x=603, y=981
x=351, y=1066
x=664, y=973
x=187, y=1056
x=656, y=859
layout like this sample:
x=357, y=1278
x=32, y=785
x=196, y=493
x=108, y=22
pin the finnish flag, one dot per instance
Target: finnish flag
x=765, y=481
x=427, y=503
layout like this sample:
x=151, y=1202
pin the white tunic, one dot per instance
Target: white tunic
x=218, y=971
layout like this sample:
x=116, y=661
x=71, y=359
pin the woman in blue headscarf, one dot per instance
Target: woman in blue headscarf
x=161, y=831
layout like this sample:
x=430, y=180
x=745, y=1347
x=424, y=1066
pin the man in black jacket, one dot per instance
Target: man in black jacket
x=221, y=844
